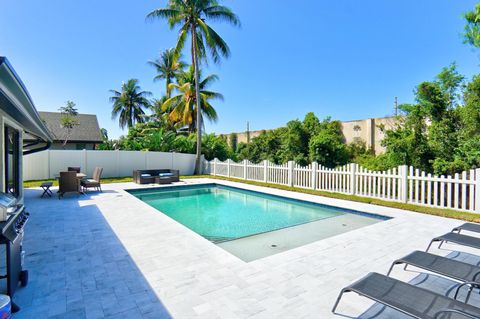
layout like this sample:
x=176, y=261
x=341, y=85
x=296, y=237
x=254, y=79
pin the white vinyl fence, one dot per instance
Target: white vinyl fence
x=403, y=184
x=47, y=164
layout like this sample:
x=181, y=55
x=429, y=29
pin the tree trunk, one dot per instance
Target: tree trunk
x=168, y=93
x=198, y=155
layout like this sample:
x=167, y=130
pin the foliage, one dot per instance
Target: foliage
x=152, y=136
x=129, y=104
x=168, y=67
x=181, y=108
x=215, y=147
x=234, y=141
x=68, y=119
x=104, y=134
x=472, y=27
x=327, y=146
x=438, y=133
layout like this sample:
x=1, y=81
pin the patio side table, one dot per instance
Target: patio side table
x=46, y=189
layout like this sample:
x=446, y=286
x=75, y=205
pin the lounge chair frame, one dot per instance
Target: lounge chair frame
x=460, y=239
x=441, y=312
x=411, y=260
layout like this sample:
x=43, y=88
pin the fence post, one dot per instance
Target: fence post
x=404, y=183
x=244, y=169
x=117, y=163
x=215, y=166
x=477, y=190
x=228, y=168
x=85, y=161
x=48, y=163
x=265, y=171
x=353, y=172
x=290, y=173
x=314, y=175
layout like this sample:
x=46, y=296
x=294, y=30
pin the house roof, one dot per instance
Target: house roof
x=87, y=130
x=18, y=104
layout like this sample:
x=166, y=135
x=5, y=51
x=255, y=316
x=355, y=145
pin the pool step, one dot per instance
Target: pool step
x=218, y=239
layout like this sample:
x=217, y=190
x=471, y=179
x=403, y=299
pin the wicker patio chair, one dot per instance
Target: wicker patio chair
x=93, y=182
x=68, y=182
x=74, y=169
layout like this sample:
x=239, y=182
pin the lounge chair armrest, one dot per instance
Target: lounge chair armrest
x=444, y=311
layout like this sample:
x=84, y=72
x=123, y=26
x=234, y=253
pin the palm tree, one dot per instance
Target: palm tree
x=191, y=15
x=129, y=104
x=182, y=108
x=168, y=66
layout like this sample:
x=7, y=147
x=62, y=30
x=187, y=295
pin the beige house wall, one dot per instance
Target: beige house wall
x=367, y=130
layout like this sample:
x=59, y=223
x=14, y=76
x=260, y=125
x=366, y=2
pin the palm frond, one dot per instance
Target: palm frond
x=222, y=13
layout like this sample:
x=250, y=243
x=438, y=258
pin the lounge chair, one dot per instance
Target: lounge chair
x=469, y=227
x=68, y=182
x=455, y=238
x=411, y=300
x=467, y=274
x=93, y=182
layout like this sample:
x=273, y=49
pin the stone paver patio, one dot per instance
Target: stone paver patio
x=109, y=255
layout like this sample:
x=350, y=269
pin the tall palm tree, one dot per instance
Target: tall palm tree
x=168, y=66
x=182, y=108
x=128, y=104
x=191, y=16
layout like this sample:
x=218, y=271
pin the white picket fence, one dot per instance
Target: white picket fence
x=47, y=164
x=403, y=184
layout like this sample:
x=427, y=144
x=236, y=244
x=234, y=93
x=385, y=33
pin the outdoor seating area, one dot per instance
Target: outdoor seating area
x=74, y=181
x=156, y=176
x=420, y=302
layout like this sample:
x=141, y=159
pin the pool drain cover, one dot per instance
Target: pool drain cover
x=273, y=245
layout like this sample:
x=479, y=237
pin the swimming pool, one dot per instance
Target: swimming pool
x=224, y=214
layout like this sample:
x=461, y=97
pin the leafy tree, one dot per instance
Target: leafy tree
x=128, y=104
x=192, y=16
x=68, y=120
x=472, y=27
x=104, y=134
x=168, y=67
x=214, y=146
x=234, y=141
x=311, y=123
x=327, y=147
x=430, y=131
x=185, y=144
x=470, y=111
x=266, y=146
x=295, y=143
x=182, y=107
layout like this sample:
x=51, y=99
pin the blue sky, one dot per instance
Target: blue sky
x=346, y=59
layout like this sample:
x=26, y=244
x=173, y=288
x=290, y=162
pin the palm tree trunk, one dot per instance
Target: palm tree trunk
x=167, y=92
x=198, y=155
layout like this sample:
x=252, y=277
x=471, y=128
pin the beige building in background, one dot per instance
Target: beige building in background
x=367, y=130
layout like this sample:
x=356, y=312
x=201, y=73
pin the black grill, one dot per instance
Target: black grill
x=12, y=236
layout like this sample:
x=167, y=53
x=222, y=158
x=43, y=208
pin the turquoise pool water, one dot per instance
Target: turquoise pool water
x=221, y=213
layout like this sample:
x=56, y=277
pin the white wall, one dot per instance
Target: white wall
x=47, y=164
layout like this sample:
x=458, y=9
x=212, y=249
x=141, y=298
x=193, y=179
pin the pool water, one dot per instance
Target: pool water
x=220, y=213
